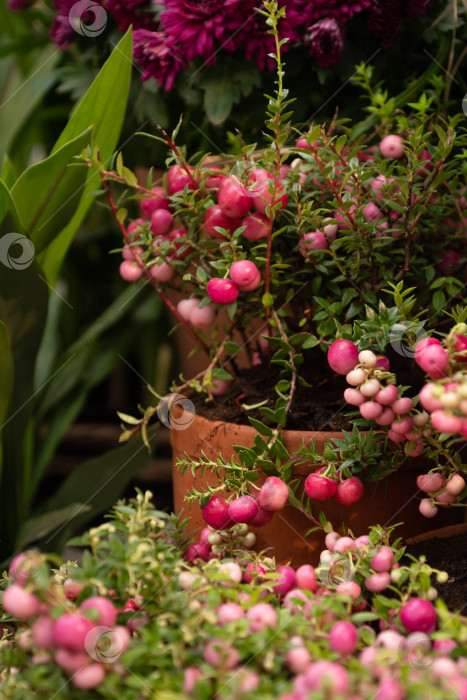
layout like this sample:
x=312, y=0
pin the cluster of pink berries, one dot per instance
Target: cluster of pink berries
x=440, y=491
x=445, y=398
x=377, y=397
x=78, y=639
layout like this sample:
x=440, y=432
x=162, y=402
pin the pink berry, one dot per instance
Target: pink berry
x=215, y=218
x=130, y=271
x=378, y=582
x=342, y=356
x=298, y=659
x=371, y=410
x=186, y=306
x=260, y=616
x=349, y=588
x=446, y=497
x=414, y=451
x=202, y=318
x=179, y=241
x=229, y=612
x=362, y=542
x=460, y=346
x=222, y=291
x=444, y=646
x=253, y=571
x=382, y=363
x=306, y=578
x=312, y=242
x=274, y=494
x=161, y=271
x=285, y=581
x=71, y=630
x=354, y=397
x=232, y=571
x=427, y=508
x=245, y=274
x=349, y=491
x=323, y=675
x=383, y=560
x=402, y=406
x=89, y=677
x=320, y=488
x=331, y=539
x=72, y=588
x=390, y=689
x=378, y=185
x=262, y=517
x=20, y=568
x=19, y=603
x=129, y=252
x=455, y=485
x=243, y=509
x=428, y=401
x=71, y=660
x=433, y=360
x=446, y=422
x=386, y=417
x=178, y=178
x=262, y=197
x=329, y=230
x=149, y=205
x=43, y=633
x=430, y=483
x=391, y=146
x=343, y=638
x=190, y=678
x=396, y=437
x=371, y=212
x=345, y=544
x=220, y=387
x=233, y=198
x=292, y=598
x=105, y=609
x=197, y=550
x=256, y=227
x=161, y=222
x=418, y=615
x=205, y=534
x=402, y=425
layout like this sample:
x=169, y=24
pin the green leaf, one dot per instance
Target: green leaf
x=268, y=300
x=102, y=107
x=219, y=95
x=7, y=205
x=6, y=378
x=439, y=300
x=47, y=193
x=310, y=342
x=35, y=529
x=260, y=427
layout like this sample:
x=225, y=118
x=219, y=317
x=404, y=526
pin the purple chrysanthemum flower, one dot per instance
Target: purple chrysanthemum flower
x=197, y=26
x=157, y=56
x=326, y=40
x=131, y=12
x=62, y=32
x=383, y=21
x=417, y=7
x=305, y=13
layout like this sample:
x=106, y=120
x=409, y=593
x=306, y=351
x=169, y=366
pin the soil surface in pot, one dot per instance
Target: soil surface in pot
x=450, y=555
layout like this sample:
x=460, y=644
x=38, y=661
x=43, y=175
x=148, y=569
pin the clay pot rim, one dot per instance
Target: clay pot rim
x=440, y=533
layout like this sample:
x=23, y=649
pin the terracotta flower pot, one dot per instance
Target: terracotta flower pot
x=386, y=503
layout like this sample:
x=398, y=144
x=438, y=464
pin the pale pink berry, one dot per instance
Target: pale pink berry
x=446, y=422
x=245, y=274
x=202, y=317
x=390, y=689
x=345, y=544
x=312, y=242
x=263, y=197
x=233, y=198
x=161, y=271
x=43, y=633
x=229, y=612
x=214, y=218
x=186, y=306
x=353, y=397
x=178, y=178
x=298, y=659
x=220, y=387
x=371, y=212
x=71, y=660
x=256, y=227
x=371, y=410
x=285, y=581
x=232, y=571
x=89, y=676
x=387, y=395
x=104, y=609
x=428, y=401
x=378, y=185
x=243, y=509
x=161, y=222
x=343, y=638
x=329, y=230
x=222, y=291
x=320, y=488
x=392, y=146
x=421, y=419
x=190, y=678
x=323, y=675
x=444, y=667
x=292, y=598
x=71, y=630
x=402, y=425
x=330, y=540
x=262, y=517
x=129, y=252
x=367, y=358
x=446, y=497
x=197, y=550
x=386, y=417
x=356, y=376
x=342, y=356
x=19, y=603
x=349, y=491
x=418, y=615
x=402, y=406
x=378, y=582
x=362, y=542
x=455, y=485
x=370, y=388
x=432, y=358
x=396, y=437
x=430, y=483
x=130, y=271
x=260, y=616
x=306, y=578
x=383, y=559
x=414, y=451
x=148, y=205
x=247, y=681
x=349, y=588
x=274, y=494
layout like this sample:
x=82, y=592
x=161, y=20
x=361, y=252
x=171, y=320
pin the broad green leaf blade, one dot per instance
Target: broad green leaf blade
x=36, y=528
x=23, y=310
x=98, y=483
x=7, y=207
x=47, y=193
x=6, y=379
x=102, y=107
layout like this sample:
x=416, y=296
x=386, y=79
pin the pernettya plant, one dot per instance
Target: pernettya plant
x=142, y=617
x=338, y=240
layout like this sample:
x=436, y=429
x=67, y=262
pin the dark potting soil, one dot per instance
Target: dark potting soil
x=448, y=555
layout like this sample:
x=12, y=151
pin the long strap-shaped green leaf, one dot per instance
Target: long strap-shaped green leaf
x=6, y=379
